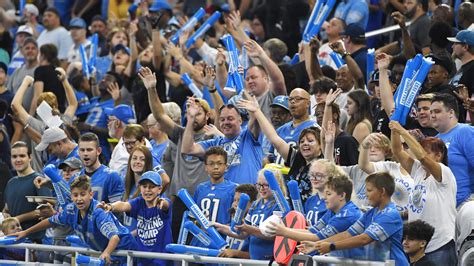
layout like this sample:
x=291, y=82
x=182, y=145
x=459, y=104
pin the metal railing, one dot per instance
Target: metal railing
x=183, y=258
x=384, y=30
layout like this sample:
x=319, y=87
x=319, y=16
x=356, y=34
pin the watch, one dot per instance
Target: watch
x=332, y=246
x=345, y=54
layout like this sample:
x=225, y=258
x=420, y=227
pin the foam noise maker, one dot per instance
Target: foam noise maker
x=87, y=260
x=10, y=240
x=190, y=84
x=61, y=188
x=198, y=233
x=188, y=25
x=312, y=18
x=410, y=70
x=276, y=191
x=72, y=239
x=234, y=62
x=21, y=7
x=315, y=27
x=295, y=196
x=84, y=61
x=183, y=232
x=370, y=64
x=183, y=249
x=93, y=53
x=229, y=85
x=245, y=60
x=240, y=212
x=201, y=218
x=295, y=59
x=203, y=29
x=410, y=87
x=337, y=59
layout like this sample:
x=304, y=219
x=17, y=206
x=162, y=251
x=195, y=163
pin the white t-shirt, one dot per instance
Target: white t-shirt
x=358, y=180
x=435, y=203
x=324, y=57
x=403, y=183
x=119, y=158
x=60, y=37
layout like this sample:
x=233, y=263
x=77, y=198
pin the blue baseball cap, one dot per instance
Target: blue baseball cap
x=123, y=113
x=353, y=30
x=152, y=176
x=159, y=5
x=282, y=101
x=77, y=23
x=122, y=47
x=464, y=36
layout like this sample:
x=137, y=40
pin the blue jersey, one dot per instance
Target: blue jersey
x=159, y=149
x=95, y=228
x=244, y=154
x=385, y=227
x=106, y=184
x=214, y=200
x=353, y=11
x=290, y=135
x=153, y=229
x=334, y=223
x=315, y=208
x=98, y=118
x=461, y=159
x=260, y=249
x=56, y=161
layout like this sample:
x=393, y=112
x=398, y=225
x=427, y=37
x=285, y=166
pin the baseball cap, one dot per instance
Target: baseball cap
x=443, y=61
x=152, y=176
x=159, y=5
x=77, y=23
x=30, y=40
x=30, y=8
x=353, y=30
x=25, y=29
x=282, y=101
x=123, y=113
x=53, y=10
x=203, y=103
x=121, y=47
x=49, y=136
x=464, y=36
x=72, y=162
x=375, y=77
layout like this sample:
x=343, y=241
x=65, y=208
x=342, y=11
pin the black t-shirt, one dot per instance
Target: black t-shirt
x=465, y=76
x=424, y=261
x=346, y=149
x=47, y=75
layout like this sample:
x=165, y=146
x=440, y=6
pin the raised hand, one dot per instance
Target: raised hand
x=60, y=73
x=337, y=47
x=314, y=45
x=192, y=108
x=399, y=18
x=114, y=90
x=148, y=77
x=40, y=181
x=330, y=132
x=173, y=50
x=306, y=247
x=332, y=96
x=371, y=140
x=220, y=57
x=132, y=29
x=249, y=105
x=212, y=131
x=209, y=77
x=233, y=21
x=383, y=60
x=105, y=206
x=28, y=80
x=253, y=49
x=395, y=126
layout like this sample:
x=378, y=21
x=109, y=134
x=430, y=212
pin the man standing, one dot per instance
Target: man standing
x=463, y=49
x=78, y=29
x=20, y=186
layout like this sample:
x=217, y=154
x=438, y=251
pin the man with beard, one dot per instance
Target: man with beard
x=106, y=184
x=185, y=166
x=299, y=104
x=463, y=49
x=97, y=120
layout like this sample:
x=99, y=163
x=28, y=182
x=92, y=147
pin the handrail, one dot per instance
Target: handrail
x=384, y=30
x=184, y=258
x=344, y=261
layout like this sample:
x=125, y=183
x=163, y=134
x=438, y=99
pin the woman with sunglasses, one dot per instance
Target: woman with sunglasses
x=299, y=158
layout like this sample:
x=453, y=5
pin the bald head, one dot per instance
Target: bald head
x=299, y=102
x=299, y=92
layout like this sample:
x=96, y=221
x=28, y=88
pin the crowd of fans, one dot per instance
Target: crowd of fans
x=105, y=148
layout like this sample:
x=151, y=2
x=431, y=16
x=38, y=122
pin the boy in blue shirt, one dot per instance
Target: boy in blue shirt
x=341, y=214
x=153, y=215
x=215, y=196
x=380, y=228
x=97, y=228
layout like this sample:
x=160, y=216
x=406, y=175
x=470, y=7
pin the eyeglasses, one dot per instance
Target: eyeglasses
x=129, y=143
x=316, y=176
x=261, y=186
x=296, y=99
x=152, y=125
x=218, y=164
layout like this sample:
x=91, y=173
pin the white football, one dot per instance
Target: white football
x=264, y=225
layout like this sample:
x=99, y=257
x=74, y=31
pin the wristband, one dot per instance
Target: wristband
x=332, y=246
x=212, y=91
x=345, y=54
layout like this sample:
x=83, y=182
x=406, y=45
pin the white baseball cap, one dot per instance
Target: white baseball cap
x=25, y=29
x=30, y=8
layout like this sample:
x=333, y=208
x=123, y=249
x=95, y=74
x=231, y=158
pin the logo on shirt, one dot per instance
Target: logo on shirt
x=418, y=198
x=148, y=229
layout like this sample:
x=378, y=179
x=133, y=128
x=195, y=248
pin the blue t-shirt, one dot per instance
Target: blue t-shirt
x=385, y=227
x=56, y=161
x=290, y=135
x=353, y=11
x=244, y=156
x=159, y=149
x=215, y=202
x=96, y=228
x=334, y=223
x=153, y=229
x=461, y=158
x=315, y=208
x=260, y=249
x=98, y=118
x=106, y=184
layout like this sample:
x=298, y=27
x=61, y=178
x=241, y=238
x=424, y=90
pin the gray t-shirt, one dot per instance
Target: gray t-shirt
x=419, y=32
x=265, y=101
x=188, y=170
x=15, y=80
